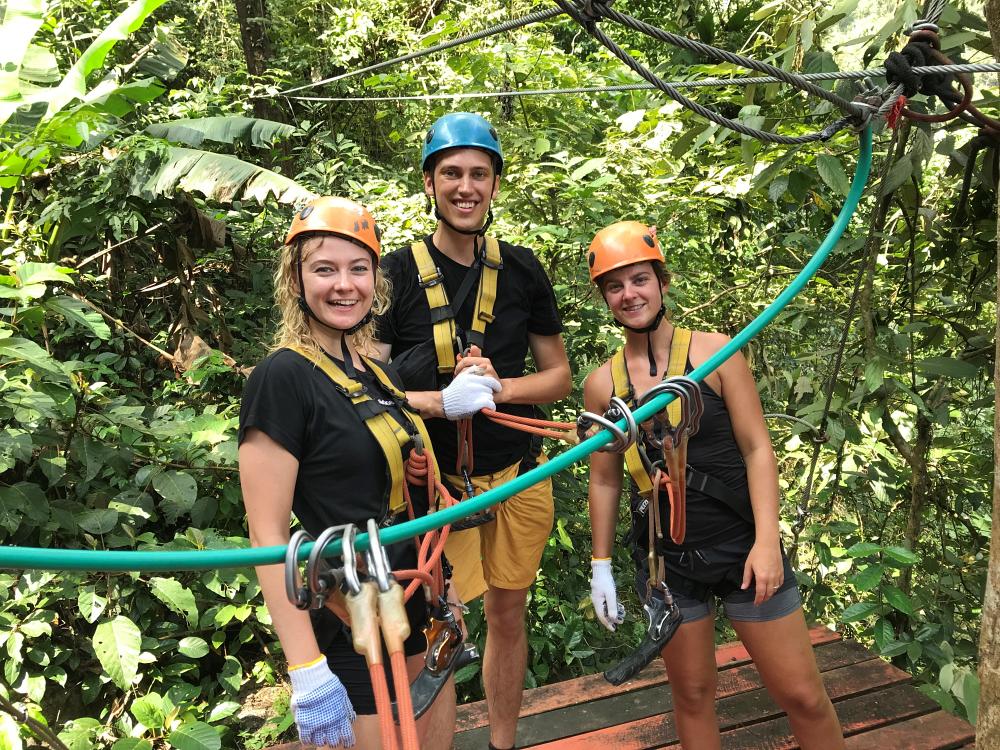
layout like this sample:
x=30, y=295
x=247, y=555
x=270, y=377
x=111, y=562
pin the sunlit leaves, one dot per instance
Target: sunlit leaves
x=116, y=644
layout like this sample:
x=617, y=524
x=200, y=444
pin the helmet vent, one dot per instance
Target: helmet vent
x=590, y=260
x=649, y=240
x=305, y=212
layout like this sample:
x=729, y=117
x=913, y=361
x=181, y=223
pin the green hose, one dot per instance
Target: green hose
x=159, y=561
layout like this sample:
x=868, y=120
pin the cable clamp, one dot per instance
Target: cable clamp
x=593, y=10
x=921, y=24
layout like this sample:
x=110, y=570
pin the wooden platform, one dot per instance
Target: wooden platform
x=877, y=706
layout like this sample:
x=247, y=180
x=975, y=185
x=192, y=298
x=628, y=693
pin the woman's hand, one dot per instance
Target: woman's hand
x=764, y=568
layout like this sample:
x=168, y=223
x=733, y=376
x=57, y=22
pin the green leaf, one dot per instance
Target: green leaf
x=132, y=743
x=192, y=132
x=863, y=549
x=90, y=603
x=196, y=736
x=586, y=168
x=37, y=273
x=179, y=492
x=231, y=677
x=897, y=599
x=177, y=598
x=24, y=349
x=11, y=509
x=81, y=734
x=97, y=520
x=116, y=644
x=868, y=578
x=74, y=84
x=21, y=22
x=223, y=710
x=969, y=695
x=10, y=737
x=899, y=174
x=218, y=177
x=902, y=555
x=26, y=496
x=193, y=647
x=80, y=313
x=166, y=58
x=831, y=171
x=150, y=711
x=53, y=468
x=947, y=367
x=858, y=611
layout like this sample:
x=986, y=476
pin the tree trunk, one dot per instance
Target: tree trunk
x=253, y=20
x=988, y=725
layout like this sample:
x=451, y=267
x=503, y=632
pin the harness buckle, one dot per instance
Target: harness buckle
x=426, y=283
x=357, y=391
x=498, y=266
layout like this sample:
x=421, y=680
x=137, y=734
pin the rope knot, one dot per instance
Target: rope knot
x=416, y=468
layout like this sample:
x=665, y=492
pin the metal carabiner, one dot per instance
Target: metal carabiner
x=350, y=559
x=696, y=401
x=297, y=594
x=323, y=578
x=378, y=560
x=617, y=406
x=587, y=419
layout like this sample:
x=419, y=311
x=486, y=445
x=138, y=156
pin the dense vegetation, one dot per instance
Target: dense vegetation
x=147, y=176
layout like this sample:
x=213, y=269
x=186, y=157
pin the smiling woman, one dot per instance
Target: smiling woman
x=308, y=447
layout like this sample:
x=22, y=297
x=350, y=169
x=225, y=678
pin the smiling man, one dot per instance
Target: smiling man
x=461, y=299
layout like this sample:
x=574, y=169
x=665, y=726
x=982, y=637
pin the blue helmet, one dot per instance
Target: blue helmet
x=462, y=130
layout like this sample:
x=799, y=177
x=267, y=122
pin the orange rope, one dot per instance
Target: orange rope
x=383, y=705
x=404, y=702
x=552, y=430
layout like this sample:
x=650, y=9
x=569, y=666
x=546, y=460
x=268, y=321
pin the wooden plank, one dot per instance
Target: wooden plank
x=650, y=701
x=936, y=731
x=593, y=687
x=858, y=715
x=738, y=710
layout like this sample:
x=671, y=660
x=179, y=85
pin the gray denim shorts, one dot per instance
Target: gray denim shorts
x=697, y=578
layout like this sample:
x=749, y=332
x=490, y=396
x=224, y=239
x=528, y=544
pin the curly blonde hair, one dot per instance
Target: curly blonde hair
x=294, y=327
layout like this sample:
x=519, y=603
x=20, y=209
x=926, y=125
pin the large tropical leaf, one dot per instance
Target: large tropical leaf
x=216, y=176
x=21, y=20
x=166, y=58
x=74, y=85
x=191, y=132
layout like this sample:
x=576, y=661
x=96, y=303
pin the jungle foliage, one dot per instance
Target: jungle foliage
x=147, y=179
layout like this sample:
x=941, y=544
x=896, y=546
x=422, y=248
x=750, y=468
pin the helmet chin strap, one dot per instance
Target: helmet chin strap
x=344, y=332
x=649, y=339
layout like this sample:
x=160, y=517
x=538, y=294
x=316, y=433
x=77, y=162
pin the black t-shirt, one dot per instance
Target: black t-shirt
x=525, y=305
x=343, y=476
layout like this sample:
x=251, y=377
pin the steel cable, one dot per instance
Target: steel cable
x=762, y=135
x=516, y=23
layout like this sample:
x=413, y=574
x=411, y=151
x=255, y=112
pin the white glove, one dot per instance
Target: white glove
x=603, y=594
x=322, y=710
x=468, y=393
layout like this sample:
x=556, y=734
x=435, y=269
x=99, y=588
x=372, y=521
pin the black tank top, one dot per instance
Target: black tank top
x=713, y=451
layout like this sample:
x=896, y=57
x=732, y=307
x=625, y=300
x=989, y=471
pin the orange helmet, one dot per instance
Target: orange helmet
x=622, y=244
x=341, y=217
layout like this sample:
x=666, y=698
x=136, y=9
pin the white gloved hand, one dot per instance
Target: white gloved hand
x=468, y=393
x=603, y=594
x=322, y=710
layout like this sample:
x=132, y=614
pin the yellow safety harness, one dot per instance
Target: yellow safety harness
x=680, y=343
x=431, y=280
x=393, y=436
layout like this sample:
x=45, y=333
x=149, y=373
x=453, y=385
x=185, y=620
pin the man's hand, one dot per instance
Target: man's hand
x=467, y=394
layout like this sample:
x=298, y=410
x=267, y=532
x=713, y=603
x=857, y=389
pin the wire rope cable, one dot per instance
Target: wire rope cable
x=709, y=114
x=511, y=25
x=169, y=560
x=836, y=75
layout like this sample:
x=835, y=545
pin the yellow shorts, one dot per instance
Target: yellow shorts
x=506, y=552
